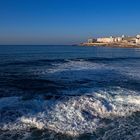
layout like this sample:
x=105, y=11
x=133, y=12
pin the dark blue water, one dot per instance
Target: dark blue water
x=69, y=92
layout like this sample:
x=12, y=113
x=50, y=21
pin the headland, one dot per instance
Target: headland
x=123, y=42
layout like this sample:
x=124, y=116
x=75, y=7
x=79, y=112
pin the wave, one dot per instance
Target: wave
x=50, y=61
x=74, y=65
x=83, y=69
x=70, y=75
x=93, y=96
x=69, y=115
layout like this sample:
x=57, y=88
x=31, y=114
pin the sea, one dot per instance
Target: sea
x=69, y=93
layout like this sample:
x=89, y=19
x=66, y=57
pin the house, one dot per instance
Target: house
x=129, y=39
x=122, y=39
x=118, y=39
x=138, y=39
x=106, y=40
x=92, y=40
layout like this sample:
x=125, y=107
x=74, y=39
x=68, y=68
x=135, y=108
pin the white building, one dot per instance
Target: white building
x=138, y=41
x=138, y=36
x=122, y=39
x=92, y=40
x=118, y=39
x=106, y=40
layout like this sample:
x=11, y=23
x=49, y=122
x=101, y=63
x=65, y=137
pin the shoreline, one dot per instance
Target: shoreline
x=113, y=45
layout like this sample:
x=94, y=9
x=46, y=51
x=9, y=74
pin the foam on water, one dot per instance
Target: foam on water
x=84, y=68
x=71, y=65
x=75, y=65
x=75, y=115
x=71, y=115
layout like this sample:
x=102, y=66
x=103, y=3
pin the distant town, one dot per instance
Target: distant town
x=123, y=41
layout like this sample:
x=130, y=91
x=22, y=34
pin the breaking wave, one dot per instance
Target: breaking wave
x=86, y=65
x=69, y=115
x=70, y=97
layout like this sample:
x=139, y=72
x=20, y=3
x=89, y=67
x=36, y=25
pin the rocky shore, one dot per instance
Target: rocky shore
x=120, y=45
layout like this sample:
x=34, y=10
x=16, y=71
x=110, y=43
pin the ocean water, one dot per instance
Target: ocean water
x=69, y=93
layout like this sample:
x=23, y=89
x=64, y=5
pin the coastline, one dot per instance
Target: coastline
x=113, y=45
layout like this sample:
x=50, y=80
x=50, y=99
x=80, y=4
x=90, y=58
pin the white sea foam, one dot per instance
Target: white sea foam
x=72, y=115
x=78, y=65
x=33, y=121
x=72, y=70
x=82, y=69
x=75, y=65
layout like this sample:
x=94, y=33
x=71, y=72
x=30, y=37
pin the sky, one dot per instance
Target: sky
x=58, y=22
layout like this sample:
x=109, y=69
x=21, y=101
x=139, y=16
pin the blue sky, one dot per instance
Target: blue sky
x=66, y=21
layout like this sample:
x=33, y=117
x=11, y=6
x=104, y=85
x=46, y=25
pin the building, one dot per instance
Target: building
x=118, y=39
x=138, y=39
x=92, y=40
x=129, y=39
x=138, y=36
x=122, y=39
x=106, y=40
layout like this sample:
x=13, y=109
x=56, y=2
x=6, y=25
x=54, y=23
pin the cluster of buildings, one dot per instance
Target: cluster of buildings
x=122, y=39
